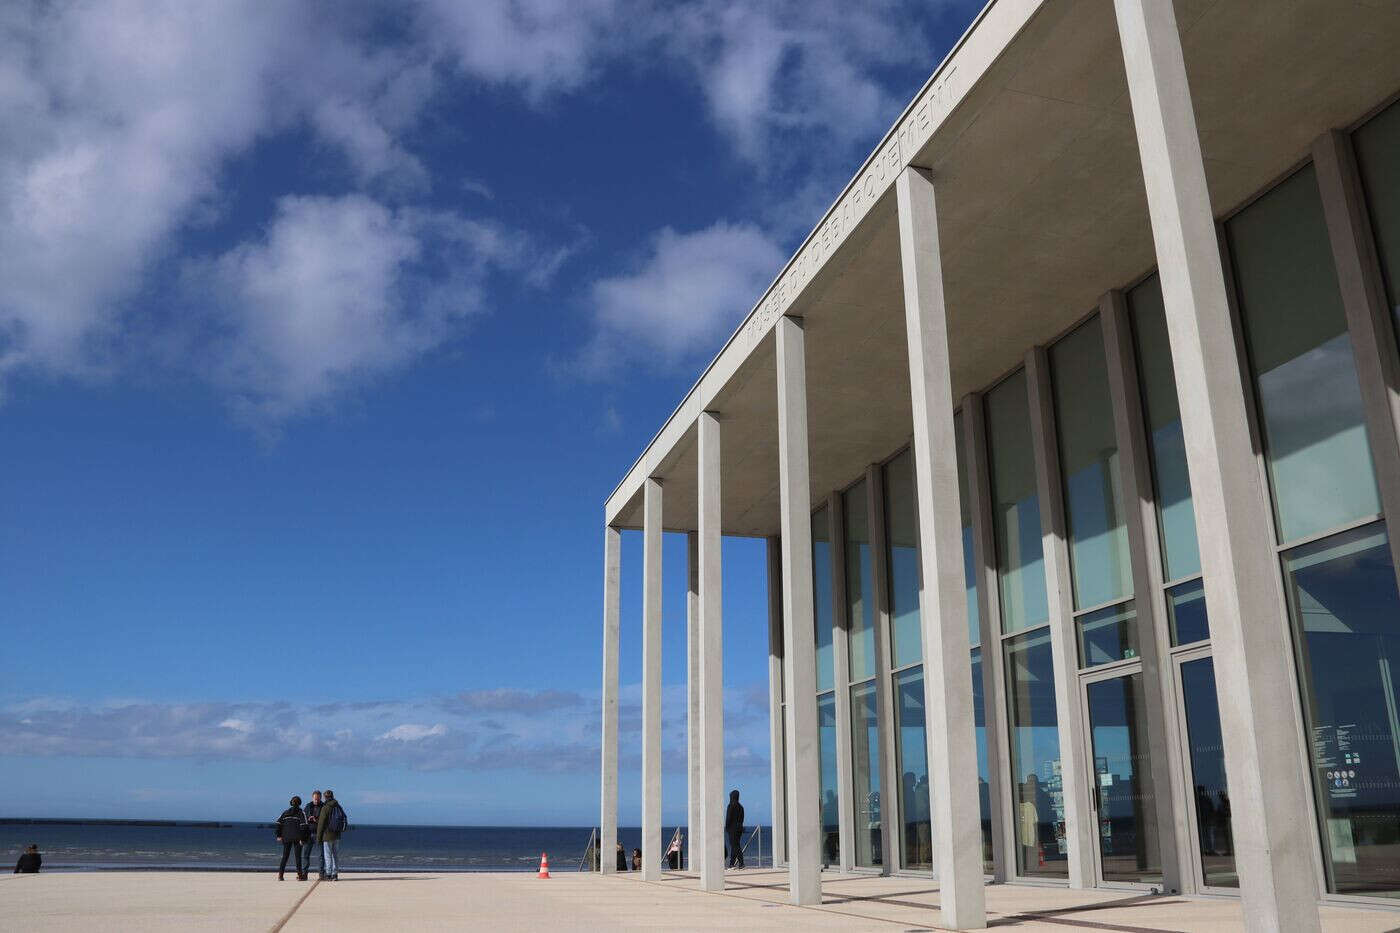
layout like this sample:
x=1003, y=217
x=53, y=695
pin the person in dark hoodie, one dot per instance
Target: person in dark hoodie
x=733, y=829
x=313, y=812
x=29, y=862
x=289, y=829
x=329, y=825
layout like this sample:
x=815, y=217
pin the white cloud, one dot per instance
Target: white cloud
x=687, y=294
x=414, y=732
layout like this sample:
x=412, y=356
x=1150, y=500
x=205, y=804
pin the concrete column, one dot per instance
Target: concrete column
x=712, y=795
x=890, y=818
x=1080, y=829
x=1170, y=833
x=612, y=619
x=955, y=808
x=1271, y=811
x=776, y=756
x=693, y=785
x=800, y=680
x=841, y=676
x=1368, y=312
x=974, y=441
x=651, y=680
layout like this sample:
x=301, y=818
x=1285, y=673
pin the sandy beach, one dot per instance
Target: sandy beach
x=756, y=899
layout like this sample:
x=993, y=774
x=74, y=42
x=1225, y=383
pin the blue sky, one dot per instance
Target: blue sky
x=326, y=329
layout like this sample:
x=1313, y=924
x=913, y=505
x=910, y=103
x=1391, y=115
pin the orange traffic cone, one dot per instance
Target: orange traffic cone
x=544, y=865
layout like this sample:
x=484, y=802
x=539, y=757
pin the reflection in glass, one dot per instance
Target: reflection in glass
x=822, y=613
x=1378, y=155
x=1207, y=749
x=984, y=789
x=1176, y=519
x=911, y=754
x=1108, y=635
x=901, y=523
x=1041, y=845
x=1015, y=507
x=1346, y=619
x=826, y=747
x=1129, y=846
x=1098, y=539
x=1309, y=399
x=860, y=586
x=1186, y=611
x=865, y=774
x=974, y=614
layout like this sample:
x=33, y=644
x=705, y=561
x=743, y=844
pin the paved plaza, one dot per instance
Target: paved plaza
x=754, y=900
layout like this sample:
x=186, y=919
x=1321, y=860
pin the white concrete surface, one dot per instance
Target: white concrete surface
x=651, y=684
x=956, y=811
x=612, y=621
x=712, y=791
x=1272, y=813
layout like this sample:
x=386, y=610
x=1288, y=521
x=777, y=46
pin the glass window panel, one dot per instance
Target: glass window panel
x=1176, y=518
x=1098, y=539
x=1015, y=507
x=1107, y=635
x=1186, y=610
x=1039, y=814
x=826, y=749
x=1124, y=799
x=1309, y=399
x=984, y=788
x=901, y=524
x=865, y=774
x=1378, y=155
x=1345, y=609
x=1207, y=749
x=860, y=586
x=911, y=754
x=974, y=613
x=822, y=613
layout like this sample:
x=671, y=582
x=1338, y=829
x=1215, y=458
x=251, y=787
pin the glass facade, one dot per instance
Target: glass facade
x=1377, y=155
x=822, y=597
x=1346, y=615
x=865, y=774
x=1038, y=804
x=1108, y=635
x=1304, y=373
x=1129, y=846
x=1098, y=540
x=915, y=838
x=830, y=806
x=902, y=559
x=860, y=584
x=1206, y=748
x=1016, y=507
x=1176, y=517
x=969, y=550
x=984, y=771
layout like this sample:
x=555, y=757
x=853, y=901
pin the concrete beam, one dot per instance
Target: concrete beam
x=1271, y=809
x=612, y=619
x=841, y=676
x=712, y=797
x=776, y=754
x=955, y=807
x=800, y=682
x=651, y=681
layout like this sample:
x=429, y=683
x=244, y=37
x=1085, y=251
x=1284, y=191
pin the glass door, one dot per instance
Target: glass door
x=1209, y=807
x=1122, y=796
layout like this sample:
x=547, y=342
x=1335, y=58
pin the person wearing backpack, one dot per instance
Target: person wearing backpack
x=329, y=825
x=290, y=826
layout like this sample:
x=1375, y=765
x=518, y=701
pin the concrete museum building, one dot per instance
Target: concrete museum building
x=1074, y=432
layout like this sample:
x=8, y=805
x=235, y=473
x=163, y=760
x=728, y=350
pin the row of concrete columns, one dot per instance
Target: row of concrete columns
x=1274, y=853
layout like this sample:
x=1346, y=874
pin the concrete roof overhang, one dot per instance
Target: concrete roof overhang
x=1028, y=130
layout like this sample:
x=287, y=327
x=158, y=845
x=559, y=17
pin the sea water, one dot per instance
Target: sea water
x=234, y=846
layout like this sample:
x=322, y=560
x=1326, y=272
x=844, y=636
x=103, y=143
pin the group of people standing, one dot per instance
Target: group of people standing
x=733, y=849
x=318, y=826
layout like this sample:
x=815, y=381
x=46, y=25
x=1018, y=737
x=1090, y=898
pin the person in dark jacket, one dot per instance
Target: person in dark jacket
x=621, y=858
x=313, y=812
x=29, y=862
x=290, y=826
x=733, y=829
x=328, y=834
